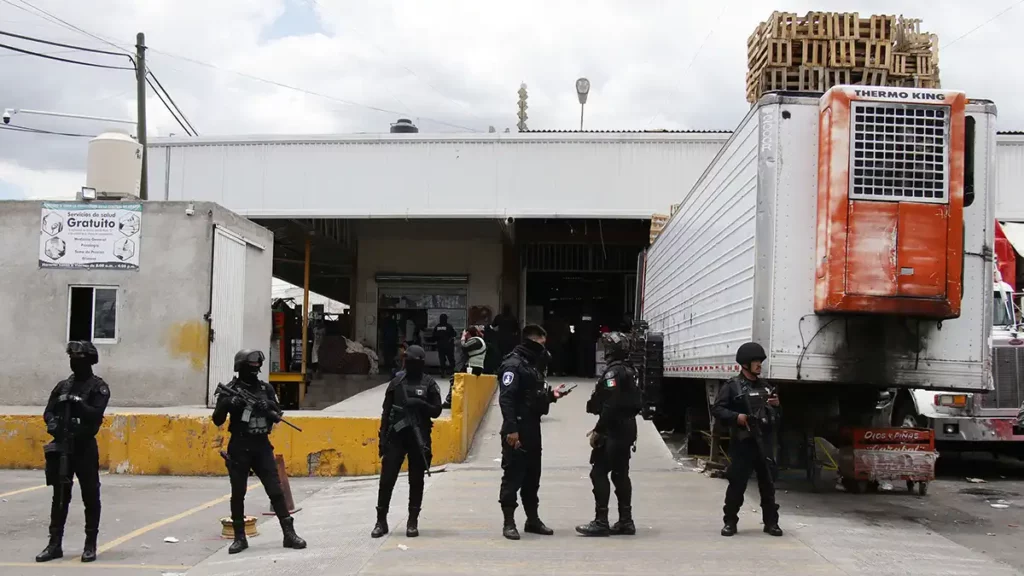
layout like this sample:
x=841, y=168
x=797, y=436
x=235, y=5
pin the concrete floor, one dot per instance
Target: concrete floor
x=952, y=531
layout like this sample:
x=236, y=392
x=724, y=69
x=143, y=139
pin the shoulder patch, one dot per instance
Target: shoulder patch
x=609, y=374
x=610, y=383
x=507, y=378
x=104, y=389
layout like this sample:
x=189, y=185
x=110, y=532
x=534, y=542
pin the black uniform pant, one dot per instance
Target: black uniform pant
x=255, y=454
x=446, y=357
x=611, y=458
x=745, y=457
x=521, y=471
x=401, y=445
x=84, y=462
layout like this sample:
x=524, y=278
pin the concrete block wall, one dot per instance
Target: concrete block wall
x=160, y=358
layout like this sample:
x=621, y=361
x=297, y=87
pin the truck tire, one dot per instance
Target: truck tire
x=906, y=416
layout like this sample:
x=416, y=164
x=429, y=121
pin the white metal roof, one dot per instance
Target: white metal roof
x=618, y=175
x=494, y=175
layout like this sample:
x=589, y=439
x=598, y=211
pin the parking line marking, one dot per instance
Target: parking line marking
x=80, y=566
x=166, y=521
x=22, y=491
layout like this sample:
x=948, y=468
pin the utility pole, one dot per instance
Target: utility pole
x=140, y=77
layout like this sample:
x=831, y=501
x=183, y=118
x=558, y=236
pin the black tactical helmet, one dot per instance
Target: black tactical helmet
x=83, y=349
x=616, y=345
x=415, y=353
x=252, y=359
x=750, y=352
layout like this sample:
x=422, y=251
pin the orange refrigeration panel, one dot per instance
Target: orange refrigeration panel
x=890, y=202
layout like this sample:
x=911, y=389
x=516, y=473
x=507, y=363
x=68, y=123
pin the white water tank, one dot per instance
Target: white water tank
x=114, y=166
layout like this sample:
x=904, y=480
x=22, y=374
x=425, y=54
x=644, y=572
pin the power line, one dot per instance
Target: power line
x=168, y=106
x=697, y=53
x=303, y=90
x=55, y=19
x=65, y=23
x=354, y=31
x=173, y=103
x=52, y=43
x=67, y=60
x=47, y=132
x=982, y=25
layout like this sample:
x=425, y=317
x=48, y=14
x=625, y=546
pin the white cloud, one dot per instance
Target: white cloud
x=444, y=63
x=42, y=184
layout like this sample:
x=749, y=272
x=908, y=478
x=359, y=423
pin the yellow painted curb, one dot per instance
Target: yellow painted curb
x=188, y=445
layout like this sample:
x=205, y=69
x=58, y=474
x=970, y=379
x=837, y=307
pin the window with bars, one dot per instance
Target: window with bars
x=900, y=152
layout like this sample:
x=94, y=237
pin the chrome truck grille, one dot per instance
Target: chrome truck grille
x=1008, y=369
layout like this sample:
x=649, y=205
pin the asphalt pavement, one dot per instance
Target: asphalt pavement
x=954, y=530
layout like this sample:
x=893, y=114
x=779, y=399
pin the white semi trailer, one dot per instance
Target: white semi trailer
x=851, y=235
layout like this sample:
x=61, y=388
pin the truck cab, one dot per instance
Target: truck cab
x=979, y=421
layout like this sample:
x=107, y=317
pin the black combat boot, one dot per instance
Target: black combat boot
x=240, y=542
x=52, y=550
x=381, y=527
x=773, y=529
x=412, y=527
x=729, y=529
x=598, y=526
x=534, y=525
x=509, y=529
x=625, y=525
x=89, y=550
x=291, y=539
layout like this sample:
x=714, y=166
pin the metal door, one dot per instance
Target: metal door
x=227, y=304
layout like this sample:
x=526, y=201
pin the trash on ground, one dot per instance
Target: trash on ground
x=976, y=481
x=403, y=547
x=1000, y=506
x=171, y=540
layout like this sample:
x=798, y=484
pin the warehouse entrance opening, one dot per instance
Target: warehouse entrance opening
x=575, y=309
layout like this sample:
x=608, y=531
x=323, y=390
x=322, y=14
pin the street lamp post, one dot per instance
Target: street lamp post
x=9, y=112
x=582, y=89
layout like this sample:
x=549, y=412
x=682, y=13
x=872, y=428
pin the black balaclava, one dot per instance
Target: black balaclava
x=415, y=361
x=81, y=356
x=534, y=348
x=81, y=366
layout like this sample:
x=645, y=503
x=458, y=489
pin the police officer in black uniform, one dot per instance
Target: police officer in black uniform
x=249, y=448
x=73, y=416
x=412, y=399
x=523, y=398
x=732, y=408
x=616, y=401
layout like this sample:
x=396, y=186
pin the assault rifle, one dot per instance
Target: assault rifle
x=410, y=419
x=251, y=400
x=62, y=445
x=760, y=418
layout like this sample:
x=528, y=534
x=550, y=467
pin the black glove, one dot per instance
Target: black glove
x=262, y=405
x=51, y=427
x=237, y=401
x=416, y=403
x=380, y=448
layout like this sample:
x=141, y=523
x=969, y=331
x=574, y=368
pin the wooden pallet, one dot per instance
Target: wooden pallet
x=811, y=53
x=877, y=28
x=874, y=54
x=842, y=53
x=870, y=77
x=838, y=77
x=844, y=26
x=899, y=64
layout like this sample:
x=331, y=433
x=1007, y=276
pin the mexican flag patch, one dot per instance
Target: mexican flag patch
x=610, y=383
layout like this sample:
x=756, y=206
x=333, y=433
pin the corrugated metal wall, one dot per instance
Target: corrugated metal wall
x=1010, y=177
x=570, y=175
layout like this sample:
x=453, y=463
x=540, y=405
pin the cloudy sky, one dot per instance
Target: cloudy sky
x=337, y=66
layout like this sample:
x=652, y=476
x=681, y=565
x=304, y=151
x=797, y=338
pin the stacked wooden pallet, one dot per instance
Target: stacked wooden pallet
x=823, y=49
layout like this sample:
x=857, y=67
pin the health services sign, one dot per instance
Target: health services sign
x=90, y=235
